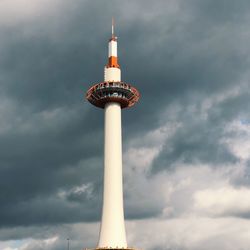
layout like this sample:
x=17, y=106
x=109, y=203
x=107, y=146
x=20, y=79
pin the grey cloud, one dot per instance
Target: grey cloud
x=174, y=52
x=199, y=139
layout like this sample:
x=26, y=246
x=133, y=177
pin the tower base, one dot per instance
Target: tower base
x=111, y=248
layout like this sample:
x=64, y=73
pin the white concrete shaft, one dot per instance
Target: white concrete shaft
x=112, y=232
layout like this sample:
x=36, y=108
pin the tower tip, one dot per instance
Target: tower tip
x=113, y=27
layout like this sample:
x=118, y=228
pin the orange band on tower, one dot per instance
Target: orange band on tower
x=113, y=62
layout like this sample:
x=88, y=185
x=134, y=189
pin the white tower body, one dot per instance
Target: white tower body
x=112, y=74
x=112, y=95
x=113, y=48
x=112, y=231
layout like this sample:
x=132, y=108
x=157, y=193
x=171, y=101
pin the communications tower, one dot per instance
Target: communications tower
x=112, y=95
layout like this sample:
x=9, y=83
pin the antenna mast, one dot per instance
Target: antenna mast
x=113, y=27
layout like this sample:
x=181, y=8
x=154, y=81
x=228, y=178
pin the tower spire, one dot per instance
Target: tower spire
x=113, y=27
x=113, y=58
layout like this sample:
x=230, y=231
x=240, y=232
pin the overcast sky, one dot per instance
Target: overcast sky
x=186, y=144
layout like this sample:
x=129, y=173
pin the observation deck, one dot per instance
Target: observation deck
x=104, y=92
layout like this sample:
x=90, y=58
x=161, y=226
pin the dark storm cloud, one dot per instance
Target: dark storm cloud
x=39, y=72
x=53, y=140
x=184, y=54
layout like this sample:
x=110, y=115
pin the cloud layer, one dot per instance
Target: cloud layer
x=186, y=144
